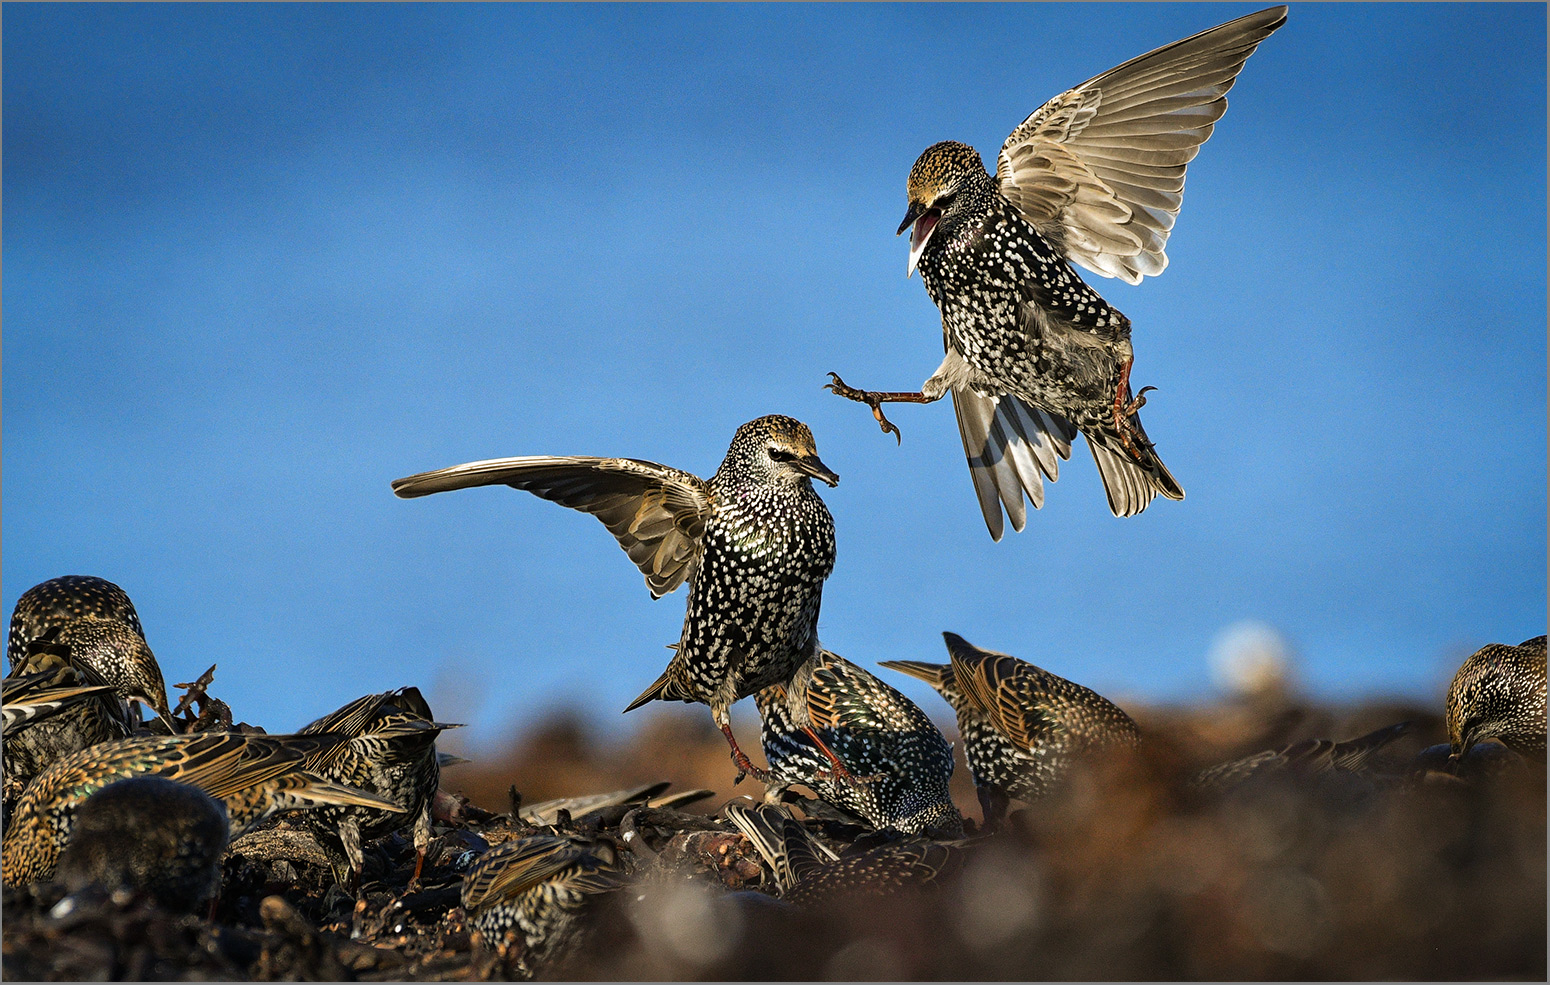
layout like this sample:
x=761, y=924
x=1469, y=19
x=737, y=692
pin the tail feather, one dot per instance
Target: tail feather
x=780, y=840
x=666, y=688
x=1011, y=447
x=1131, y=485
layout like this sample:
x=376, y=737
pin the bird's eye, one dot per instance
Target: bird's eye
x=944, y=200
x=782, y=455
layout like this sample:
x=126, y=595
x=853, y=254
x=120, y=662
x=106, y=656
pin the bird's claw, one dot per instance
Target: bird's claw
x=868, y=397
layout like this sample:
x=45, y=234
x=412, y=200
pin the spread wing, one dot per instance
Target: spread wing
x=657, y=513
x=1100, y=168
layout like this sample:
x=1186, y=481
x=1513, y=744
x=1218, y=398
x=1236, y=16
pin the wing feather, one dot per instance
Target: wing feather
x=1100, y=168
x=657, y=514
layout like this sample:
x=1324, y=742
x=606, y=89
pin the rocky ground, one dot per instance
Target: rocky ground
x=1127, y=873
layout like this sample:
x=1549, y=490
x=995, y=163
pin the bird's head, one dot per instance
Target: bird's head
x=948, y=179
x=780, y=449
x=1476, y=706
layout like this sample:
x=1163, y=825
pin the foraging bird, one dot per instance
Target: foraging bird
x=151, y=835
x=1311, y=757
x=808, y=874
x=755, y=544
x=1023, y=728
x=95, y=618
x=1034, y=354
x=255, y=776
x=879, y=734
x=391, y=752
x=534, y=892
x=1499, y=693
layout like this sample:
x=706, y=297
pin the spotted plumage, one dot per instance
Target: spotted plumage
x=1023, y=728
x=1034, y=354
x=878, y=733
x=255, y=776
x=754, y=543
x=65, y=707
x=1311, y=757
x=527, y=898
x=391, y=752
x=95, y=618
x=808, y=874
x=1499, y=693
x=151, y=835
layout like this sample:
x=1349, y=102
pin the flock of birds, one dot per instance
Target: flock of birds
x=94, y=796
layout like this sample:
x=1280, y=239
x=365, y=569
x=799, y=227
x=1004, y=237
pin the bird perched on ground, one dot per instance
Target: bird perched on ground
x=879, y=734
x=755, y=544
x=1311, y=757
x=1034, y=354
x=1499, y=693
x=255, y=776
x=527, y=897
x=808, y=874
x=55, y=705
x=1023, y=728
x=392, y=752
x=148, y=834
x=95, y=618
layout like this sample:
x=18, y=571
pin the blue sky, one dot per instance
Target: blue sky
x=261, y=260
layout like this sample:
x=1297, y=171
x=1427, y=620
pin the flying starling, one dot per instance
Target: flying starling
x=807, y=874
x=151, y=835
x=879, y=734
x=392, y=752
x=1311, y=757
x=1034, y=354
x=755, y=544
x=527, y=898
x=255, y=776
x=1023, y=728
x=56, y=705
x=95, y=618
x=1499, y=693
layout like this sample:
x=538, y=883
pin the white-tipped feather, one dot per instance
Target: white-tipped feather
x=1011, y=446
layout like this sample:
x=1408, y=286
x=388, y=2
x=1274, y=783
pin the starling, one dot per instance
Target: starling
x=255, y=776
x=1023, y=728
x=879, y=734
x=755, y=544
x=1034, y=354
x=65, y=707
x=95, y=618
x=392, y=752
x=534, y=892
x=151, y=835
x=807, y=874
x=1310, y=757
x=1499, y=693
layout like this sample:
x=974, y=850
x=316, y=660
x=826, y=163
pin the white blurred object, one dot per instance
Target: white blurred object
x=1251, y=659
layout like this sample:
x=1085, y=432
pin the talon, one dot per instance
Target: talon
x=871, y=398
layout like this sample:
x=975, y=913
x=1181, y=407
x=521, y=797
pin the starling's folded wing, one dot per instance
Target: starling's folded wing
x=657, y=513
x=1099, y=169
x=991, y=684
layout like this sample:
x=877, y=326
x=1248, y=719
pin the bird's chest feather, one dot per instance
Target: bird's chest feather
x=1015, y=310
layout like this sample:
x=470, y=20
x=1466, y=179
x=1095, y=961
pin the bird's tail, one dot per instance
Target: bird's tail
x=1131, y=480
x=666, y=688
x=1011, y=446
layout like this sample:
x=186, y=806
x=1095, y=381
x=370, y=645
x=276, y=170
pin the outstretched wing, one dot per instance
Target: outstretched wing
x=657, y=513
x=1100, y=168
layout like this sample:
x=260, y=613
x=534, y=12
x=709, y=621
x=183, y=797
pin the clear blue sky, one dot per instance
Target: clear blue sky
x=261, y=260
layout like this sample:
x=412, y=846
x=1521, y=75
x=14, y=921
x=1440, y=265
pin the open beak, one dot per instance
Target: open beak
x=811, y=465
x=924, y=221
